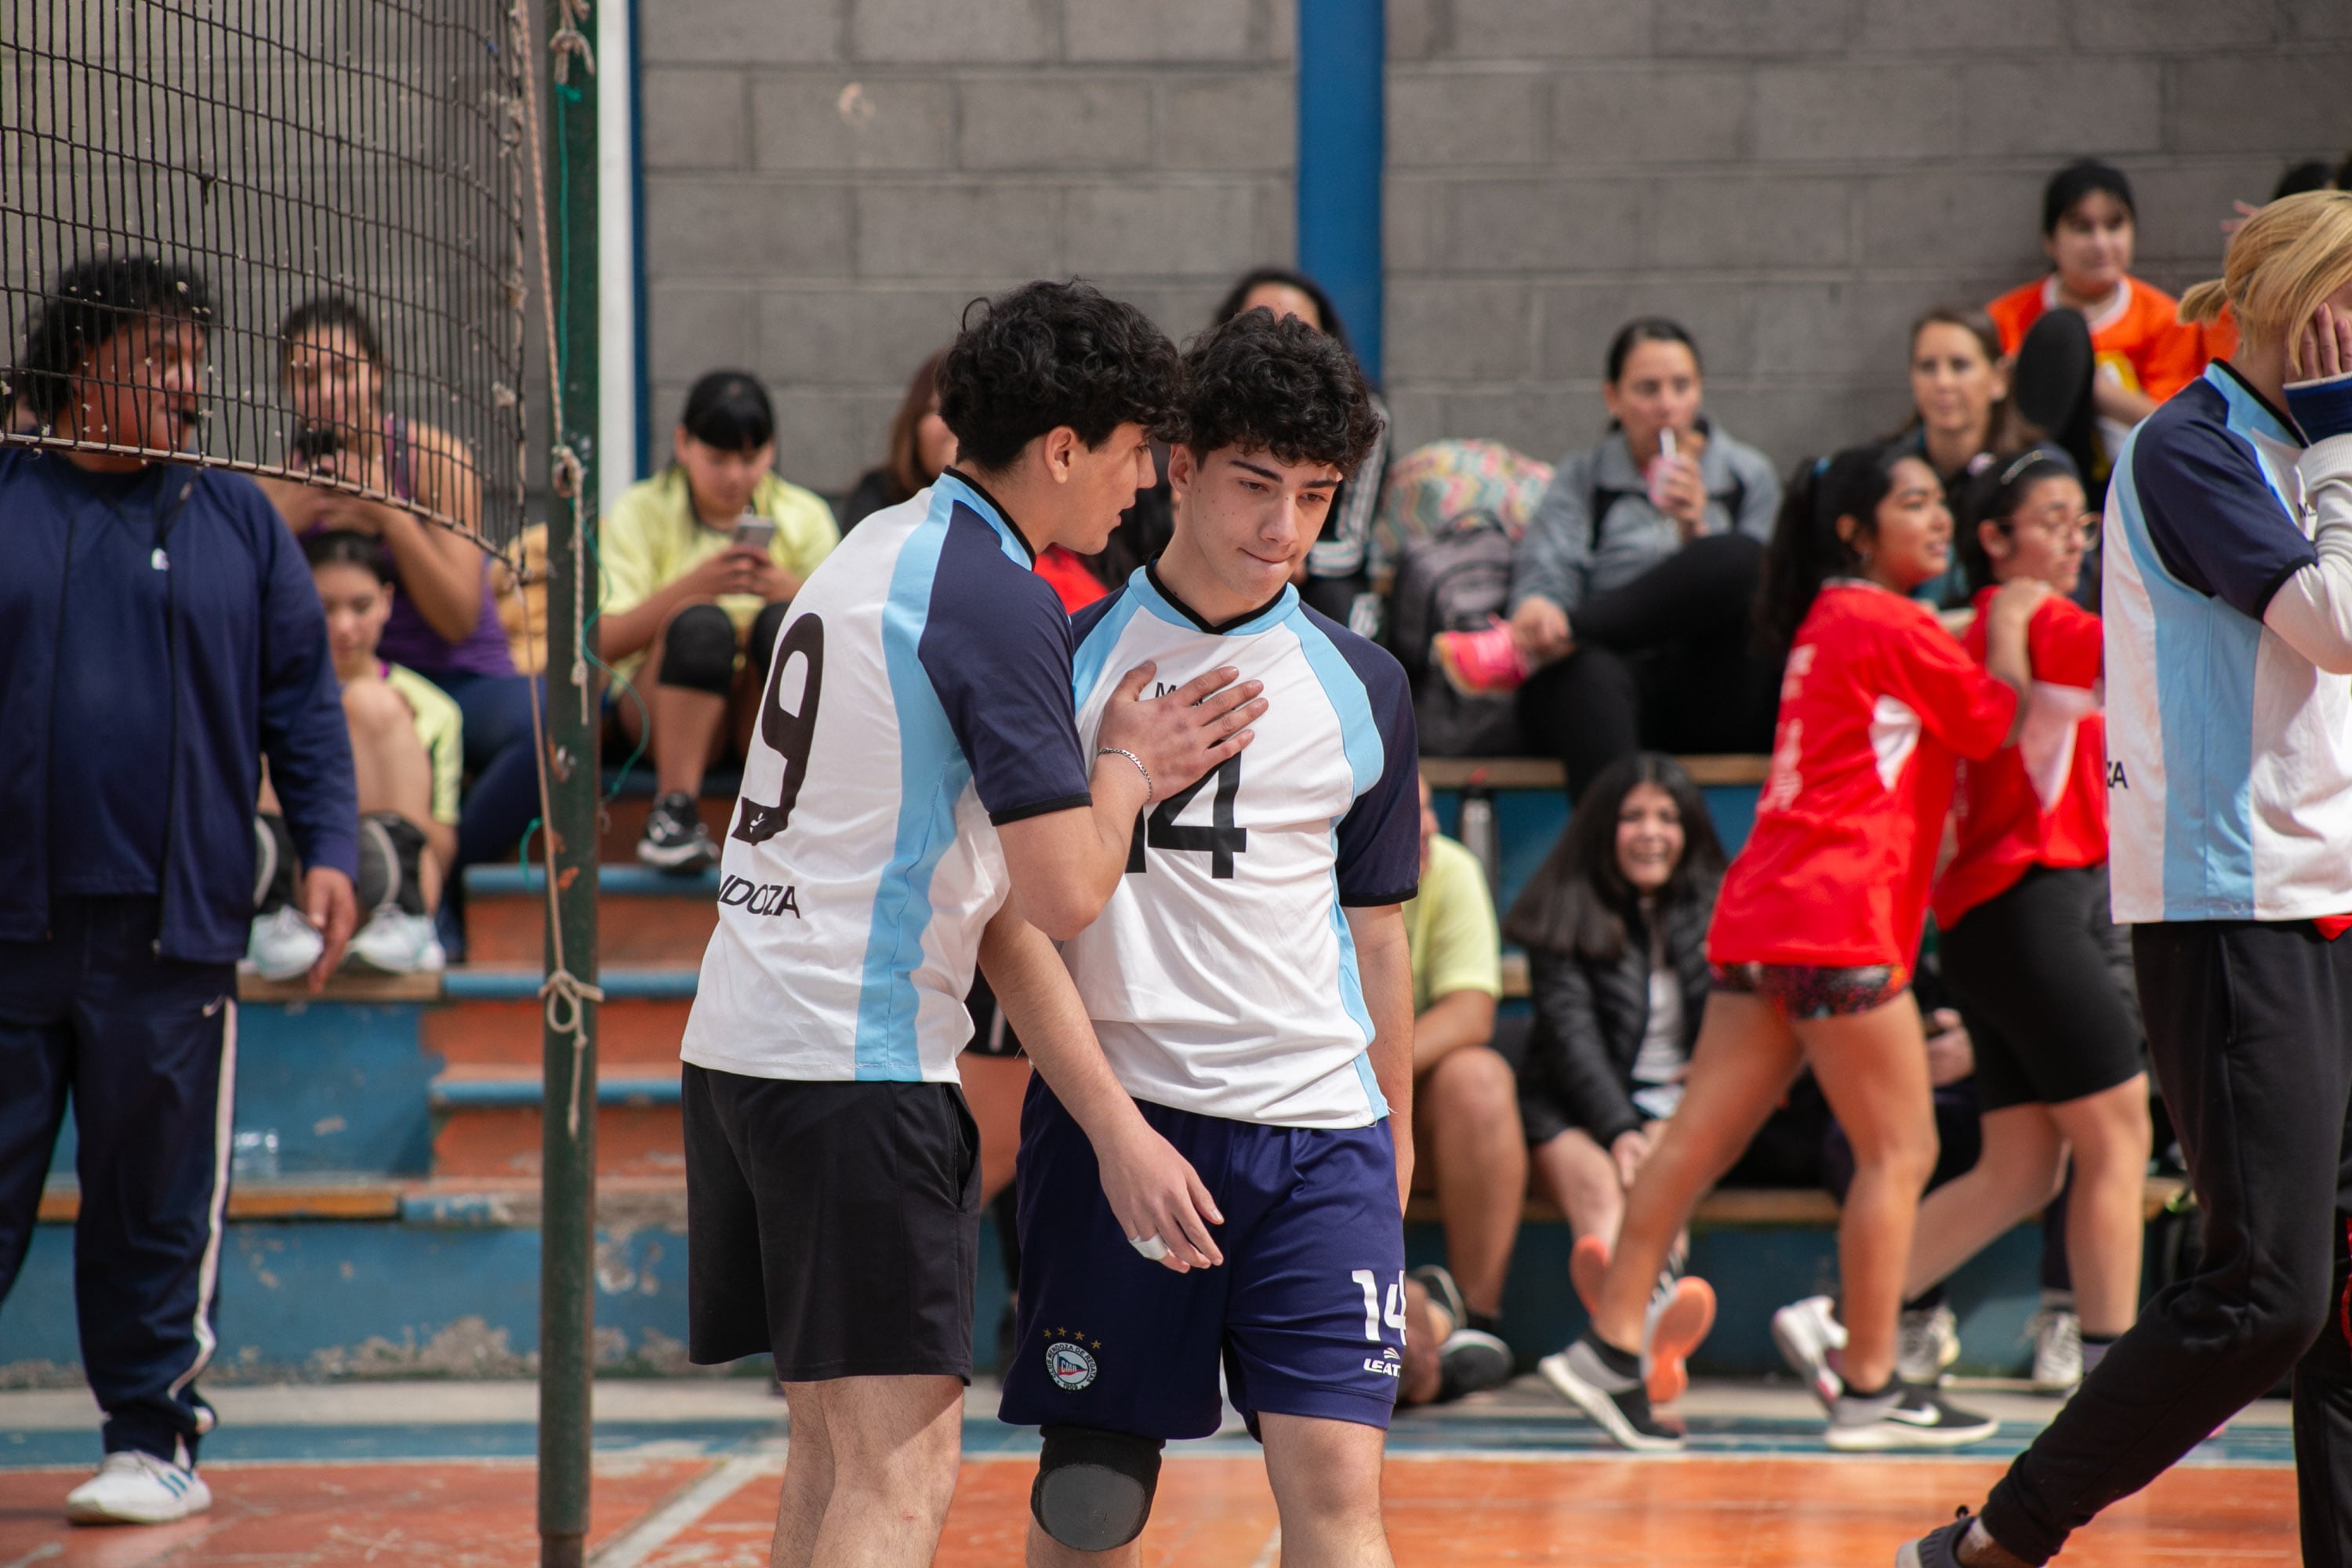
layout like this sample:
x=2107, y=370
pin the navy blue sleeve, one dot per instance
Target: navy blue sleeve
x=303, y=732
x=997, y=647
x=1380, y=838
x=2211, y=515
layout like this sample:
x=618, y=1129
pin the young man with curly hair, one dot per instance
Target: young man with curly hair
x=1251, y=991
x=915, y=773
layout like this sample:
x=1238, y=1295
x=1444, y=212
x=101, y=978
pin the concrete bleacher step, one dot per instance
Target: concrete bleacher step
x=643, y=918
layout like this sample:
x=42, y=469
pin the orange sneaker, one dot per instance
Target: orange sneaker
x=1483, y=662
x=1681, y=1313
x=1586, y=1264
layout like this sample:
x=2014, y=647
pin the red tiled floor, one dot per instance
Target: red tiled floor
x=478, y=1515
x=1211, y=1512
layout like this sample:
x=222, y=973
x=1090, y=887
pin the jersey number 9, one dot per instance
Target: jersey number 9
x=789, y=733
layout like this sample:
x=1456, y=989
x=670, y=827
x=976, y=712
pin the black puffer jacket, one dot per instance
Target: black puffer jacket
x=1591, y=1017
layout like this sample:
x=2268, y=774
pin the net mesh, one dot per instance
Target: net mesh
x=356, y=167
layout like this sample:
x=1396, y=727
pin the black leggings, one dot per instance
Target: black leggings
x=2030, y=969
x=1663, y=662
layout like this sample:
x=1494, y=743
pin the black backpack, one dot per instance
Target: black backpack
x=1452, y=581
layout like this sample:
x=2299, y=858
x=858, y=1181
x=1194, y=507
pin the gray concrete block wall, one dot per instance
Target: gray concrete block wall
x=827, y=181
x=1795, y=180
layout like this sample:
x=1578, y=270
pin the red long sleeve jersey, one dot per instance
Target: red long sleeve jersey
x=1876, y=702
x=2043, y=802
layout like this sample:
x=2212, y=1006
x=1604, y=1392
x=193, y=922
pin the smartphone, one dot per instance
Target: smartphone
x=754, y=533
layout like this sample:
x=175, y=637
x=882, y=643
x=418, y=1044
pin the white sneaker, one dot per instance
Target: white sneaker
x=1927, y=1343
x=1807, y=1331
x=283, y=945
x=2057, y=1350
x=398, y=942
x=131, y=1488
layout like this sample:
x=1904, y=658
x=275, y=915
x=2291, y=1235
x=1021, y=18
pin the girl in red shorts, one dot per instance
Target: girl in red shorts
x=1816, y=925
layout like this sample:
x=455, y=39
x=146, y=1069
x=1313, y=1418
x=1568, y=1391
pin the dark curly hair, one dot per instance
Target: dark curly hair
x=1277, y=387
x=1050, y=354
x=89, y=302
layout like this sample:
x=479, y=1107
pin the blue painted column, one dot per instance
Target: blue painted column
x=1343, y=49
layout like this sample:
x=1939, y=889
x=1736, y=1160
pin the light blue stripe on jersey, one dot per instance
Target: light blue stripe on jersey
x=1351, y=996
x=2205, y=659
x=932, y=773
x=1087, y=666
x=1367, y=757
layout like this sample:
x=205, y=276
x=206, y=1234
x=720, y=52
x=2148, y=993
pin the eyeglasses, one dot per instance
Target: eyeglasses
x=2060, y=524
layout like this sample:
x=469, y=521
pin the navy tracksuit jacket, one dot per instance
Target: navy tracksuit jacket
x=126, y=880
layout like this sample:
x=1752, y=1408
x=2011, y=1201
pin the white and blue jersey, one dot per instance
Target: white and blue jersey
x=2229, y=753
x=1221, y=977
x=919, y=695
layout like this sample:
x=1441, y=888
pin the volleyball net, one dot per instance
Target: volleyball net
x=282, y=237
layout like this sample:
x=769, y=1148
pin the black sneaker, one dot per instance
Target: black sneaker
x=1913, y=1417
x=1469, y=1361
x=1619, y=1405
x=675, y=838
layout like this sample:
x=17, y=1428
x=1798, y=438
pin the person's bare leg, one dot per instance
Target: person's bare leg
x=2110, y=1136
x=394, y=772
x=1466, y=1114
x=993, y=1088
x=1873, y=1069
x=1426, y=1328
x=1582, y=1180
x=895, y=1443
x=1740, y=1068
x=1327, y=1490
x=2019, y=1171
x=808, y=1478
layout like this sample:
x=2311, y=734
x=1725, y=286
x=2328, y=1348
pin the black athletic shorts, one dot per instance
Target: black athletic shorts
x=835, y=1225
x=2030, y=970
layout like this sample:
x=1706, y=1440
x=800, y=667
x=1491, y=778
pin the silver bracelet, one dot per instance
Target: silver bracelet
x=1150, y=791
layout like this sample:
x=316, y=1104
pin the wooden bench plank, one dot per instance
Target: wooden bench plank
x=365, y=1199
x=342, y=986
x=1544, y=773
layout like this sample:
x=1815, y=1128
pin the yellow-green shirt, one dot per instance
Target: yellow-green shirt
x=651, y=537
x=439, y=727
x=1449, y=927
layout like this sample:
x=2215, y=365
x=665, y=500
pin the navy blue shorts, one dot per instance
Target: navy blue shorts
x=1306, y=1312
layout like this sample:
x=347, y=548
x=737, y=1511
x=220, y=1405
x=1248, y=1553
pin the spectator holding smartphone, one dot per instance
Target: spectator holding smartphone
x=700, y=563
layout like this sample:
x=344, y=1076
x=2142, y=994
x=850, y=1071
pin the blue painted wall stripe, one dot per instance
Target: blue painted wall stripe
x=1342, y=54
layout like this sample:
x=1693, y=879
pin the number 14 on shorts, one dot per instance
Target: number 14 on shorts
x=1383, y=1308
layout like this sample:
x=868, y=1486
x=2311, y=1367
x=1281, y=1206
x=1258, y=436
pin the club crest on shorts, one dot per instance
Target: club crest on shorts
x=1068, y=1362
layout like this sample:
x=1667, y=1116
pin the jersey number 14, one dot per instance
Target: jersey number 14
x=1220, y=840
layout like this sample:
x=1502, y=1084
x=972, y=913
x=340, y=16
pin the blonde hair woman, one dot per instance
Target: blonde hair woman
x=2229, y=636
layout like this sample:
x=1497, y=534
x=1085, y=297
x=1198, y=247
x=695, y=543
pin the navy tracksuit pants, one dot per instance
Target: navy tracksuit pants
x=147, y=1049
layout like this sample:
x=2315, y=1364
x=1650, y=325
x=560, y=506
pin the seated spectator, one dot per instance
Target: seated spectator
x=1615, y=925
x=2095, y=349
x=1467, y=1146
x=700, y=564
x=407, y=751
x=444, y=624
x=1962, y=420
x=921, y=444
x=1334, y=577
x=1631, y=591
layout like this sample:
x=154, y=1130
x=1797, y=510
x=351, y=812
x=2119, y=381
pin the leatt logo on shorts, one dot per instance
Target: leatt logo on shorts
x=1070, y=1363
x=760, y=898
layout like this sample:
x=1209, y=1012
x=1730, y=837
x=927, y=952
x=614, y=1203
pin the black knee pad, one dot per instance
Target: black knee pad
x=1094, y=1489
x=766, y=627
x=698, y=650
x=392, y=851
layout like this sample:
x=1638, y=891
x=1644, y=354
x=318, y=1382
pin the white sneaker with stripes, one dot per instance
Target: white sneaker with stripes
x=132, y=1488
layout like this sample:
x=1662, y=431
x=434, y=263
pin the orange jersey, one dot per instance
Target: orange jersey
x=1877, y=700
x=2043, y=802
x=2138, y=337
